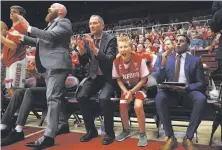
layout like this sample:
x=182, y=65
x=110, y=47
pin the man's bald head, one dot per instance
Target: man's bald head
x=62, y=11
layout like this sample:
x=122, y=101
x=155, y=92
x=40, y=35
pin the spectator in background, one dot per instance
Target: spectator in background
x=162, y=56
x=195, y=42
x=148, y=57
x=209, y=40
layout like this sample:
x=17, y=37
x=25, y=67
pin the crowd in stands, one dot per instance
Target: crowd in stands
x=150, y=41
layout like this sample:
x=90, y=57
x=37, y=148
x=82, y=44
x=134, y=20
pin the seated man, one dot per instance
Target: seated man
x=184, y=68
x=24, y=98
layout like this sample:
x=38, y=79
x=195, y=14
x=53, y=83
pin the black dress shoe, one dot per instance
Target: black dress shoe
x=89, y=136
x=63, y=130
x=12, y=137
x=108, y=139
x=41, y=143
x=5, y=132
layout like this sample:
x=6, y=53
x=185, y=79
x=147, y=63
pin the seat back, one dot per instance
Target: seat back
x=210, y=65
x=71, y=83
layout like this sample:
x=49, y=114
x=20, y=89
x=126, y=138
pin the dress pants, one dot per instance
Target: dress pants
x=55, y=83
x=91, y=87
x=25, y=98
x=193, y=99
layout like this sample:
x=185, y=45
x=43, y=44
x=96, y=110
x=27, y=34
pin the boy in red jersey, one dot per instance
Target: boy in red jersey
x=131, y=73
x=14, y=52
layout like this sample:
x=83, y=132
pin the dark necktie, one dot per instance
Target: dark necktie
x=94, y=62
x=177, y=68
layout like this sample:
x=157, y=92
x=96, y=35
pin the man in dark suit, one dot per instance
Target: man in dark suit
x=216, y=25
x=54, y=62
x=184, y=68
x=101, y=54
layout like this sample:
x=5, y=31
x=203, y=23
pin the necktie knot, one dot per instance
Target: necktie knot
x=177, y=68
x=97, y=42
x=179, y=56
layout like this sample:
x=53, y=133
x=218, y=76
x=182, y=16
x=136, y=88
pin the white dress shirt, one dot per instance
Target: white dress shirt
x=182, y=77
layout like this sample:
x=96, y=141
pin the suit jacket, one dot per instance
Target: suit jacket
x=107, y=53
x=193, y=70
x=52, y=45
x=216, y=24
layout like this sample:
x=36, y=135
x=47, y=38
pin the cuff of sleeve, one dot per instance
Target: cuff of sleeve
x=29, y=29
x=22, y=39
x=97, y=51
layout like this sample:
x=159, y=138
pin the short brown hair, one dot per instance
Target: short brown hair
x=188, y=40
x=20, y=9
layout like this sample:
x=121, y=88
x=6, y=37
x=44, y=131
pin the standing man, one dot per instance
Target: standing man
x=183, y=68
x=53, y=60
x=216, y=26
x=100, y=49
x=14, y=52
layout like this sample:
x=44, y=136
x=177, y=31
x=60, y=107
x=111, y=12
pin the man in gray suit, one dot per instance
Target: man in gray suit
x=54, y=62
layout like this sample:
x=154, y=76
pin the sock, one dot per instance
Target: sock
x=19, y=128
x=3, y=126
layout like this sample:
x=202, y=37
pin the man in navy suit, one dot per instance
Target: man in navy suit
x=190, y=72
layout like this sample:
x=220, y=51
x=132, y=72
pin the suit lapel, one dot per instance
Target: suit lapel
x=103, y=42
x=53, y=25
x=172, y=67
x=186, y=66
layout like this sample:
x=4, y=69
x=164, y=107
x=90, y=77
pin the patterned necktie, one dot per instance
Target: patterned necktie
x=97, y=42
x=94, y=62
x=177, y=68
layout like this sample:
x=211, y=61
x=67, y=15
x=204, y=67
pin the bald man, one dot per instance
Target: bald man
x=54, y=62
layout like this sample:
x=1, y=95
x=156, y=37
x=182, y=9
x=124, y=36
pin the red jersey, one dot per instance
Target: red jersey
x=10, y=56
x=132, y=72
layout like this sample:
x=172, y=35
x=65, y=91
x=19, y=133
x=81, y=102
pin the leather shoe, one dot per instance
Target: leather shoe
x=188, y=144
x=170, y=144
x=108, y=139
x=63, y=130
x=12, y=137
x=89, y=136
x=41, y=143
x=5, y=132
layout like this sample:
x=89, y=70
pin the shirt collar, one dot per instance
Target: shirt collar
x=99, y=37
x=183, y=55
x=50, y=23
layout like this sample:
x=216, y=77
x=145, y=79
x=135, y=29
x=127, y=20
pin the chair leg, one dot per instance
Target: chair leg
x=44, y=113
x=36, y=114
x=216, y=123
x=158, y=126
x=196, y=136
x=78, y=120
x=101, y=120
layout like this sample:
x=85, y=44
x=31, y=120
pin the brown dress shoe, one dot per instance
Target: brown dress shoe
x=188, y=144
x=170, y=144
